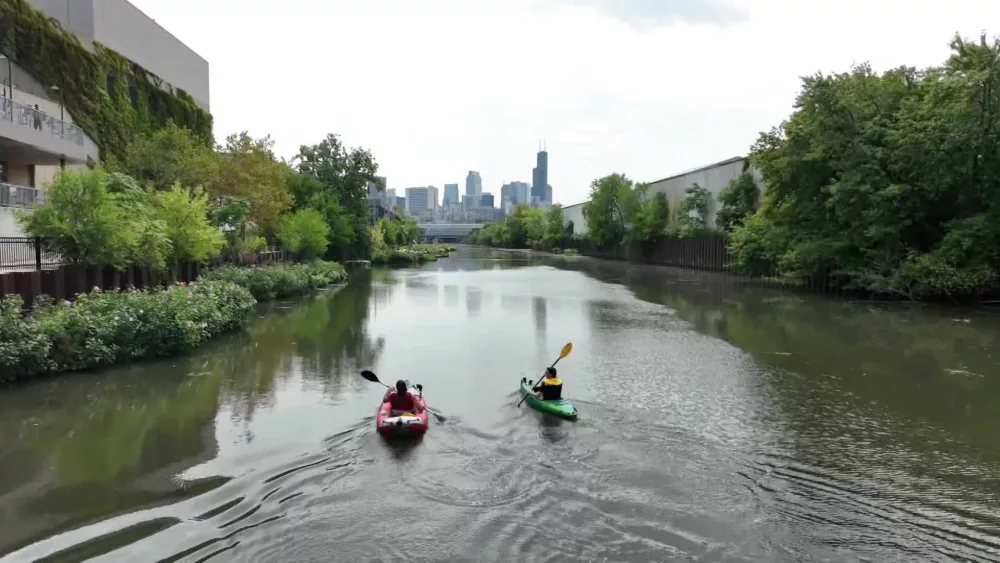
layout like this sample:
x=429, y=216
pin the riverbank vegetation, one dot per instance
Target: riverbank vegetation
x=394, y=243
x=278, y=281
x=526, y=227
x=888, y=183
x=882, y=183
x=104, y=328
x=110, y=327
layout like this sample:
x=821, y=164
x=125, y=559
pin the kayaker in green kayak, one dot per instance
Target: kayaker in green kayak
x=549, y=388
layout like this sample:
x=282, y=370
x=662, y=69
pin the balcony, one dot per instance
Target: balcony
x=35, y=137
x=22, y=197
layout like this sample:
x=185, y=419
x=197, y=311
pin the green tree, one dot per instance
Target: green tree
x=887, y=182
x=650, y=221
x=167, y=156
x=82, y=221
x=305, y=233
x=737, y=200
x=694, y=211
x=344, y=175
x=246, y=168
x=612, y=201
x=185, y=214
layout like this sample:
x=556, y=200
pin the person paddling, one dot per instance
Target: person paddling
x=401, y=400
x=549, y=388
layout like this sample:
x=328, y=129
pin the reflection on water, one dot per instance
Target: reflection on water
x=719, y=422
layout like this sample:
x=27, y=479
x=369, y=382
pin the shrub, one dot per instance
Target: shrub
x=305, y=233
x=280, y=280
x=103, y=328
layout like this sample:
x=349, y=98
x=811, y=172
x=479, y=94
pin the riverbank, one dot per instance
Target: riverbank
x=104, y=328
x=411, y=255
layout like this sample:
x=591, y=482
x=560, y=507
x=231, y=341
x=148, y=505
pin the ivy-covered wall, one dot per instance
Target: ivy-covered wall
x=111, y=98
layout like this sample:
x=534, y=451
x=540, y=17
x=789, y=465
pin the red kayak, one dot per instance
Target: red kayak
x=394, y=423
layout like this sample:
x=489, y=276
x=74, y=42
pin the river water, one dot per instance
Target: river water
x=718, y=422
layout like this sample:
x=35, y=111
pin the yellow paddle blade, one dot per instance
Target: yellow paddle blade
x=566, y=350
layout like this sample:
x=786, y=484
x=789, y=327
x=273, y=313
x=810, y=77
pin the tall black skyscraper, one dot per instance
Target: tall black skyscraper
x=540, y=176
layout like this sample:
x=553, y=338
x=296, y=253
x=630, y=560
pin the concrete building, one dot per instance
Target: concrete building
x=421, y=201
x=713, y=177
x=119, y=25
x=486, y=200
x=451, y=195
x=473, y=186
x=38, y=135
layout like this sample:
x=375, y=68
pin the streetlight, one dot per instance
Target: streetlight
x=61, y=99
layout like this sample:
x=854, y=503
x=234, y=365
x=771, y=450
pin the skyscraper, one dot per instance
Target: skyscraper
x=473, y=185
x=515, y=193
x=548, y=194
x=486, y=200
x=450, y=195
x=419, y=200
x=540, y=176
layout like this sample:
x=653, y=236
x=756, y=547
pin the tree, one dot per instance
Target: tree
x=184, y=212
x=890, y=182
x=344, y=175
x=612, y=199
x=167, y=156
x=694, y=211
x=305, y=233
x=650, y=221
x=737, y=200
x=82, y=221
x=247, y=169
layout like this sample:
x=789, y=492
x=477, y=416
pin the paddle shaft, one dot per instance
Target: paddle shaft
x=552, y=366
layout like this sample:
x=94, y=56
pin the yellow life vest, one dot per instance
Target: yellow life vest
x=551, y=381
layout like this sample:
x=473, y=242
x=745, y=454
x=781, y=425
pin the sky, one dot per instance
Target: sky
x=435, y=88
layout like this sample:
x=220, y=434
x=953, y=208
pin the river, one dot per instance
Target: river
x=719, y=423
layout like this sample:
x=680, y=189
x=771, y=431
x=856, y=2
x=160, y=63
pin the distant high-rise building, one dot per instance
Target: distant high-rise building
x=450, y=195
x=420, y=200
x=540, y=176
x=473, y=186
x=401, y=202
x=548, y=194
x=515, y=193
x=486, y=200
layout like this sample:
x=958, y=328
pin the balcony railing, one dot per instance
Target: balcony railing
x=20, y=196
x=27, y=116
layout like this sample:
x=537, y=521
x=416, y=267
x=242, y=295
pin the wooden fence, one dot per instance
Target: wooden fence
x=68, y=280
x=708, y=253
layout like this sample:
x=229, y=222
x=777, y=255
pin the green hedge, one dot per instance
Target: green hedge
x=96, y=87
x=104, y=328
x=280, y=280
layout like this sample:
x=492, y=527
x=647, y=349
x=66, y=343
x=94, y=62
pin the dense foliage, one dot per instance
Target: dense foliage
x=526, y=227
x=277, y=281
x=305, y=233
x=97, y=219
x=111, y=98
x=888, y=183
x=737, y=201
x=103, y=328
x=334, y=180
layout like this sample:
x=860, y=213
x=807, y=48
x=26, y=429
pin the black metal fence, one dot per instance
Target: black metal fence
x=25, y=253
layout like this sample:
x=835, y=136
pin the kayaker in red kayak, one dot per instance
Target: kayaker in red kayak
x=401, y=400
x=549, y=388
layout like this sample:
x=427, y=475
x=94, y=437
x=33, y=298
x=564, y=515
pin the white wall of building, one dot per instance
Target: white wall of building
x=714, y=178
x=8, y=224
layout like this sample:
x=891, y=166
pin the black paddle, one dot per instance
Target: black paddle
x=565, y=352
x=370, y=376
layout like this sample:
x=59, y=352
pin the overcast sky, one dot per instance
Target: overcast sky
x=435, y=88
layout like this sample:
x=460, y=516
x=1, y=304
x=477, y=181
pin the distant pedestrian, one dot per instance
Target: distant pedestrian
x=38, y=118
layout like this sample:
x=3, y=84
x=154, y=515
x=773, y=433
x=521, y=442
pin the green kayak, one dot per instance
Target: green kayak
x=561, y=408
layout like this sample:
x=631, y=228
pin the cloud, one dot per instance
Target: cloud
x=649, y=14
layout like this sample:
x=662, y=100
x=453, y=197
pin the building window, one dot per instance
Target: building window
x=31, y=175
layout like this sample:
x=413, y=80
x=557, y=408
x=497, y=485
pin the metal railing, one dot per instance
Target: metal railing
x=25, y=253
x=27, y=116
x=12, y=195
